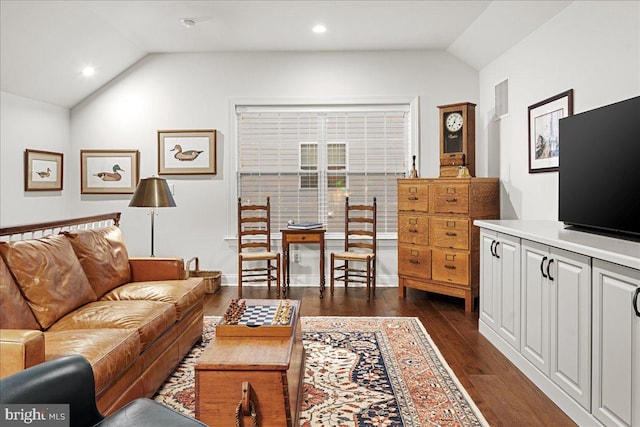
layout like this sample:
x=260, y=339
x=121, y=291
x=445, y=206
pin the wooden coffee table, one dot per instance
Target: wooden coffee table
x=272, y=366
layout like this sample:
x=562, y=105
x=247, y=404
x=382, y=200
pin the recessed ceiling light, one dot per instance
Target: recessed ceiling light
x=88, y=71
x=188, y=22
x=319, y=29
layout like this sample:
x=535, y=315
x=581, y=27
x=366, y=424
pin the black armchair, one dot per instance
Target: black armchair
x=69, y=380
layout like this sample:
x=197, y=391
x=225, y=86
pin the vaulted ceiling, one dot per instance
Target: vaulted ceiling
x=45, y=45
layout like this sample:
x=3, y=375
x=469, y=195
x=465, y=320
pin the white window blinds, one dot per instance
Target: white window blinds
x=307, y=159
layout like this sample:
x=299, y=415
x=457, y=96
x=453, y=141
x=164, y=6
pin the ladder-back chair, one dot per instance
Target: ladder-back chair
x=254, y=246
x=359, y=247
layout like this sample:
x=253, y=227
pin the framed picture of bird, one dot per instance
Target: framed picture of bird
x=42, y=170
x=187, y=152
x=109, y=171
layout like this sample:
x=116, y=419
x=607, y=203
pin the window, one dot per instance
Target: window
x=335, y=167
x=308, y=158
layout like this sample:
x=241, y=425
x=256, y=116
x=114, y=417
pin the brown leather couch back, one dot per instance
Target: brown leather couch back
x=14, y=311
x=49, y=276
x=103, y=255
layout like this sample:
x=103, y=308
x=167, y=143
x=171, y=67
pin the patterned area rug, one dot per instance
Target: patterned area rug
x=359, y=371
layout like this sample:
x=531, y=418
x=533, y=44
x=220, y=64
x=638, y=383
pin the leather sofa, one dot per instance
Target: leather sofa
x=78, y=292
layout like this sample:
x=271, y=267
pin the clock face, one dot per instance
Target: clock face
x=454, y=122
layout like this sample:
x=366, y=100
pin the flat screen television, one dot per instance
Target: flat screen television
x=599, y=174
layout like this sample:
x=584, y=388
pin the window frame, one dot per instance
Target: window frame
x=231, y=154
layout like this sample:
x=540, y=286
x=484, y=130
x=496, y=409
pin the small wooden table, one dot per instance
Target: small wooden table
x=296, y=236
x=273, y=367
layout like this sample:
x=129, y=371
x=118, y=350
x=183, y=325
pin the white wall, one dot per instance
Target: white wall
x=592, y=47
x=192, y=91
x=35, y=125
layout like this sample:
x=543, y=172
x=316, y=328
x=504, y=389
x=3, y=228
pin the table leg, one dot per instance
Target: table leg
x=285, y=269
x=321, y=268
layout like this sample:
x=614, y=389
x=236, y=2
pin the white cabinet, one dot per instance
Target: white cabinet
x=500, y=285
x=616, y=344
x=556, y=317
x=579, y=314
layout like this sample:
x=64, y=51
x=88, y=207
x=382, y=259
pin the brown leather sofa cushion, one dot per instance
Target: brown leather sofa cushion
x=103, y=255
x=184, y=294
x=150, y=318
x=110, y=351
x=49, y=276
x=14, y=311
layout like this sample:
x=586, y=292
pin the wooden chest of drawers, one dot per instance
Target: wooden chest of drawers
x=438, y=245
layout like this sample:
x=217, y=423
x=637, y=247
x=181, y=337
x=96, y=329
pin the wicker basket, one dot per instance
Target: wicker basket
x=212, y=279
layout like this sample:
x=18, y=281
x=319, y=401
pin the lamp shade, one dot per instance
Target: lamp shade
x=152, y=192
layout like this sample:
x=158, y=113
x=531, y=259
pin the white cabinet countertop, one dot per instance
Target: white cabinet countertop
x=554, y=233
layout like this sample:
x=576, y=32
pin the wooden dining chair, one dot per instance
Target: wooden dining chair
x=359, y=247
x=254, y=246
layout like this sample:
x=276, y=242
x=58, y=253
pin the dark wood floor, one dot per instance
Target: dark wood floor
x=503, y=394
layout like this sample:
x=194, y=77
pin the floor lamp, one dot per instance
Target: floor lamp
x=152, y=193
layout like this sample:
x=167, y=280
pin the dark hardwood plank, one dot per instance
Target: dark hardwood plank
x=504, y=395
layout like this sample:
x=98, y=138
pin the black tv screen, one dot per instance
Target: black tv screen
x=600, y=168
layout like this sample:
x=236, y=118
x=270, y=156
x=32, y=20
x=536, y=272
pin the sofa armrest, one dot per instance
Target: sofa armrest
x=152, y=268
x=64, y=380
x=20, y=349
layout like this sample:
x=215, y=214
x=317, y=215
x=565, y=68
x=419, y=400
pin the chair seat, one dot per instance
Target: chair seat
x=354, y=256
x=258, y=256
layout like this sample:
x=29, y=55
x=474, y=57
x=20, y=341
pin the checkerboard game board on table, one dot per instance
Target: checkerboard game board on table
x=258, y=315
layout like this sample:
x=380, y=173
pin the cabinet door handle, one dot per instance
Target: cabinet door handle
x=412, y=230
x=451, y=199
x=548, y=267
x=449, y=233
x=493, y=242
x=635, y=302
x=542, y=267
x=450, y=267
x=413, y=198
x=496, y=249
x=414, y=261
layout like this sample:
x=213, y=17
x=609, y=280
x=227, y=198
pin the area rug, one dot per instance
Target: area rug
x=359, y=371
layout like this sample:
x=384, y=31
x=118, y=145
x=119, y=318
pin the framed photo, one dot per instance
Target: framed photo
x=187, y=152
x=544, y=132
x=42, y=170
x=109, y=171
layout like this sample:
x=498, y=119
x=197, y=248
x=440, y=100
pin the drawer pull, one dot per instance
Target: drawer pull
x=412, y=230
x=450, y=267
x=451, y=199
x=414, y=261
x=449, y=233
x=413, y=198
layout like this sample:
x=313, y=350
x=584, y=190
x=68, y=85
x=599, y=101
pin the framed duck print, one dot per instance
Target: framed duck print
x=43, y=170
x=187, y=152
x=109, y=171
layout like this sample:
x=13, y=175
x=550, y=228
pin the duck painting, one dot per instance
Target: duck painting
x=111, y=176
x=185, y=155
x=45, y=174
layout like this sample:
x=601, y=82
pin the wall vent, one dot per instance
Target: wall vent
x=502, y=99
